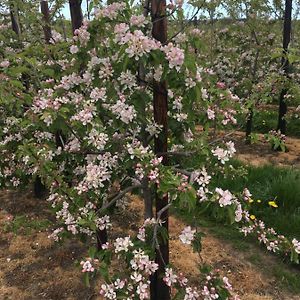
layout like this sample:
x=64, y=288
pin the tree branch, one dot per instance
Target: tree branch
x=113, y=199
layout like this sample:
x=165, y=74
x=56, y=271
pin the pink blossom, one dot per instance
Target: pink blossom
x=174, y=55
x=225, y=197
x=87, y=266
x=170, y=277
x=138, y=21
x=187, y=235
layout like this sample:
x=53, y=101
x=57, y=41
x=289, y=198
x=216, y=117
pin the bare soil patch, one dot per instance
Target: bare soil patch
x=260, y=153
x=34, y=267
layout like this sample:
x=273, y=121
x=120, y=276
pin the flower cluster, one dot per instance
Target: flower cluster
x=224, y=155
x=174, y=55
x=187, y=235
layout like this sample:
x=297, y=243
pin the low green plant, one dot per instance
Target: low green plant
x=277, y=140
x=23, y=224
x=270, y=183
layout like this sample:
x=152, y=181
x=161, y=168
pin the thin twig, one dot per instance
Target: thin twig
x=183, y=28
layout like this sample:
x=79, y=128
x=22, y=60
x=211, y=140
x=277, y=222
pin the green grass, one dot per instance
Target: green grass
x=264, y=121
x=269, y=183
x=287, y=276
x=289, y=280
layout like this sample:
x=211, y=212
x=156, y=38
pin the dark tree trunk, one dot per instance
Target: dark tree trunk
x=102, y=238
x=249, y=121
x=40, y=190
x=287, y=27
x=46, y=21
x=159, y=290
x=249, y=125
x=76, y=14
x=14, y=20
x=59, y=139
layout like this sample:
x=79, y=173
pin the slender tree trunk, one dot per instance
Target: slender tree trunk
x=76, y=14
x=87, y=9
x=14, y=20
x=40, y=190
x=249, y=125
x=159, y=290
x=102, y=238
x=146, y=191
x=64, y=28
x=287, y=27
x=46, y=21
x=249, y=121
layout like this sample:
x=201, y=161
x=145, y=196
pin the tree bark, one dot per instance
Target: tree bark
x=287, y=27
x=249, y=122
x=249, y=126
x=159, y=290
x=40, y=190
x=46, y=21
x=76, y=14
x=102, y=238
x=14, y=20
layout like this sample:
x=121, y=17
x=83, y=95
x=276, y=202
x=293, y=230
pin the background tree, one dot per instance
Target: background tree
x=13, y=10
x=159, y=289
x=287, y=27
x=76, y=13
x=46, y=19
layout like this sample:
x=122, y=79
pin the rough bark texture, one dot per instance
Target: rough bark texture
x=287, y=27
x=46, y=21
x=76, y=14
x=159, y=290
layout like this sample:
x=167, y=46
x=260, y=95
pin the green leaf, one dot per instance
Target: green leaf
x=104, y=271
x=17, y=84
x=294, y=257
x=188, y=199
x=49, y=72
x=91, y=6
x=86, y=279
x=92, y=251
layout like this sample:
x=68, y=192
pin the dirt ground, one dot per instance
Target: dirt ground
x=261, y=153
x=34, y=267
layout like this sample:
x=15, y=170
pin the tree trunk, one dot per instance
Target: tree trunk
x=249, y=122
x=76, y=14
x=249, y=126
x=102, y=238
x=14, y=20
x=46, y=21
x=40, y=190
x=287, y=27
x=159, y=290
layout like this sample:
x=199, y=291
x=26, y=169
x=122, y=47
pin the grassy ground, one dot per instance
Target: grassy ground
x=266, y=120
x=265, y=183
x=268, y=183
x=287, y=276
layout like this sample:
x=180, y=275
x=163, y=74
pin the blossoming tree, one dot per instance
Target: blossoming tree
x=128, y=100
